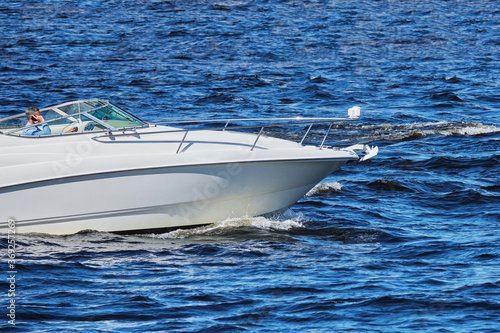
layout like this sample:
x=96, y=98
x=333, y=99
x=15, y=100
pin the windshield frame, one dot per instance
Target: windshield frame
x=75, y=117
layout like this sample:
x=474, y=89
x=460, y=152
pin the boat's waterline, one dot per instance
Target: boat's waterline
x=165, y=198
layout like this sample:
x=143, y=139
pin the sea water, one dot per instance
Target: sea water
x=407, y=241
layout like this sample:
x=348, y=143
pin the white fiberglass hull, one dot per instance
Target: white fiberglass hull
x=163, y=198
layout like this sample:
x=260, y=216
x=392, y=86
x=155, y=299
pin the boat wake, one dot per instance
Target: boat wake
x=351, y=133
x=402, y=132
x=285, y=221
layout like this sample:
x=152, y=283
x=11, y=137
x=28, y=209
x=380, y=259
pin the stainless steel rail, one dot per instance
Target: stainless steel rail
x=299, y=121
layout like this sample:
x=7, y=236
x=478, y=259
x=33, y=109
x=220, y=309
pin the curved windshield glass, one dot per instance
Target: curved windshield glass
x=115, y=117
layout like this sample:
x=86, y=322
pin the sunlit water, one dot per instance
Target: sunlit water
x=407, y=241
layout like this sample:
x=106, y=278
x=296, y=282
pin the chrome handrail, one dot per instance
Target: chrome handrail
x=304, y=137
x=257, y=138
x=326, y=134
x=227, y=121
x=314, y=121
x=182, y=141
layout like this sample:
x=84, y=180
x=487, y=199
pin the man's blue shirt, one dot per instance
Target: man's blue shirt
x=35, y=130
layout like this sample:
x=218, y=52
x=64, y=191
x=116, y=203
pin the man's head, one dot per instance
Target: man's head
x=31, y=111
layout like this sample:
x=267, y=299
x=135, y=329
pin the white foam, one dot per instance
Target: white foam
x=470, y=129
x=402, y=131
x=324, y=188
x=230, y=225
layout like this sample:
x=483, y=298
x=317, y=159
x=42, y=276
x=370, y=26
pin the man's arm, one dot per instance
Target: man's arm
x=36, y=131
x=45, y=130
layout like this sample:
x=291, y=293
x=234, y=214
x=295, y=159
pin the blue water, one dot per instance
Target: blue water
x=407, y=241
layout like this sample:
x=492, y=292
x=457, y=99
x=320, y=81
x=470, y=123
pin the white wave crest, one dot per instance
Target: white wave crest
x=470, y=129
x=323, y=188
x=230, y=225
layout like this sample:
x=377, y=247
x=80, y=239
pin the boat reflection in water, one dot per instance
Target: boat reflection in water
x=118, y=173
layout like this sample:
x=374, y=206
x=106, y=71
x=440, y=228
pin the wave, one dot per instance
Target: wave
x=231, y=225
x=324, y=189
x=389, y=185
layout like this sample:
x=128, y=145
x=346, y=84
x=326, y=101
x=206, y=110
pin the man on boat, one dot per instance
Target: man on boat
x=34, y=117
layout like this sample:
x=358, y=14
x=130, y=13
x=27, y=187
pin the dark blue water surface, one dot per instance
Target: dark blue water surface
x=408, y=241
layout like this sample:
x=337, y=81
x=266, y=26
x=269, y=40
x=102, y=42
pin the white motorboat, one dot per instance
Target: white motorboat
x=117, y=173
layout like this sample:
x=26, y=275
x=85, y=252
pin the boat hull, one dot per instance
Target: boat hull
x=161, y=197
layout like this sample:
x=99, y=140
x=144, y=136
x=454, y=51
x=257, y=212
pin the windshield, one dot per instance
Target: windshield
x=73, y=117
